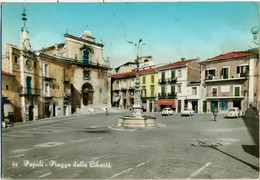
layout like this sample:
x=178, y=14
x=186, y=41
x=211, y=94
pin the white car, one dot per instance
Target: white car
x=233, y=112
x=187, y=112
x=167, y=111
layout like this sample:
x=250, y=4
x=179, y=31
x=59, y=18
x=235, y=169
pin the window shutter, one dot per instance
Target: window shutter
x=173, y=74
x=237, y=91
x=226, y=73
x=163, y=75
x=173, y=90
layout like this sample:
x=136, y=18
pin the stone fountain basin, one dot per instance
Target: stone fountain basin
x=132, y=121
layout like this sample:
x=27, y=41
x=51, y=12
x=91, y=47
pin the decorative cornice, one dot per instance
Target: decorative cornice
x=83, y=40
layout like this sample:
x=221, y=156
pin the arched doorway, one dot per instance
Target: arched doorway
x=87, y=94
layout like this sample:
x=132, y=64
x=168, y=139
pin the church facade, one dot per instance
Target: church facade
x=59, y=80
x=85, y=71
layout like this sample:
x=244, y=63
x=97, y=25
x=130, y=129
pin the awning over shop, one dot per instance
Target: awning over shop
x=170, y=102
x=116, y=98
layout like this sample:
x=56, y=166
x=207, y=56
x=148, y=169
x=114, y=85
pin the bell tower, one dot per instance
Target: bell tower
x=25, y=44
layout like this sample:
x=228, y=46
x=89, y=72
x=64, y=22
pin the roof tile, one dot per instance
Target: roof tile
x=233, y=54
x=153, y=69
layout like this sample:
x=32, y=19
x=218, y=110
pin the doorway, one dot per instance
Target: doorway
x=195, y=106
x=31, y=107
x=179, y=106
x=213, y=105
x=87, y=94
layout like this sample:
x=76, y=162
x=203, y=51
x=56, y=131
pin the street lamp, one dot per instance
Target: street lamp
x=137, y=107
x=255, y=31
x=137, y=45
x=137, y=120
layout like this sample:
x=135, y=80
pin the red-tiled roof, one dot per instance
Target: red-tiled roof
x=230, y=55
x=177, y=63
x=133, y=72
x=153, y=69
x=166, y=102
x=6, y=73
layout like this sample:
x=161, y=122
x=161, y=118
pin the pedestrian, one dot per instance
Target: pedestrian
x=215, y=113
x=106, y=111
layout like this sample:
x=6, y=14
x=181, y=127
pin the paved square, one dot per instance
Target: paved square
x=185, y=147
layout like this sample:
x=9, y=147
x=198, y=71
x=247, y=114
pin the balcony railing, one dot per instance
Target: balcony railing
x=29, y=91
x=243, y=74
x=171, y=95
x=172, y=80
x=210, y=77
x=48, y=78
x=232, y=78
x=162, y=81
x=214, y=94
x=167, y=95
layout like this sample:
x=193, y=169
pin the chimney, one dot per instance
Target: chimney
x=182, y=59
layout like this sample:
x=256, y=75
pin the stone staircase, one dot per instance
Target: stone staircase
x=99, y=108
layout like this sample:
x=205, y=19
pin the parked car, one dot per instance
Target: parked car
x=187, y=112
x=233, y=112
x=167, y=111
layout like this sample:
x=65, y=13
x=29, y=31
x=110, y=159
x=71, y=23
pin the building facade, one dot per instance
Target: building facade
x=231, y=80
x=148, y=89
x=123, y=84
x=10, y=97
x=123, y=87
x=23, y=64
x=179, y=86
x=85, y=71
x=58, y=80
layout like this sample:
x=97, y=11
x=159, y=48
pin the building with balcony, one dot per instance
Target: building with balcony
x=57, y=80
x=231, y=80
x=173, y=89
x=83, y=79
x=148, y=89
x=123, y=84
x=56, y=87
x=122, y=90
x=25, y=68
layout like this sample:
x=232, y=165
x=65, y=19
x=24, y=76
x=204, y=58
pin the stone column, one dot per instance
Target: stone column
x=22, y=81
x=138, y=111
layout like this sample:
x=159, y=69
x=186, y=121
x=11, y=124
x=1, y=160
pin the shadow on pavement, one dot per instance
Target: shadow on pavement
x=246, y=163
x=97, y=130
x=251, y=149
x=214, y=146
x=251, y=120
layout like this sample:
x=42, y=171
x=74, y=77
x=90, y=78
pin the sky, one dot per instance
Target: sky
x=170, y=31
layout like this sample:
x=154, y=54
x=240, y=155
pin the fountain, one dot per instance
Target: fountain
x=137, y=120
